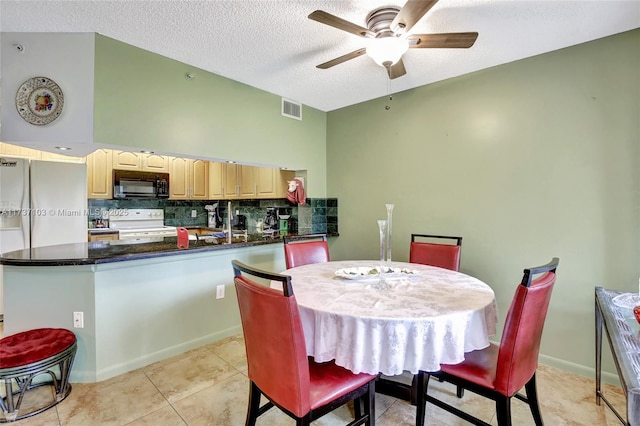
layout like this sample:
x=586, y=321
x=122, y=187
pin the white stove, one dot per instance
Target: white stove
x=133, y=224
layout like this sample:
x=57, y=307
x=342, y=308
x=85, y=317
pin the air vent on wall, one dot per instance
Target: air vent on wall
x=291, y=109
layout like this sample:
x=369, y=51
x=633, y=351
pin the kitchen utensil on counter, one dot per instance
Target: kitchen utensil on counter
x=212, y=215
x=183, y=238
x=271, y=221
x=284, y=223
x=239, y=222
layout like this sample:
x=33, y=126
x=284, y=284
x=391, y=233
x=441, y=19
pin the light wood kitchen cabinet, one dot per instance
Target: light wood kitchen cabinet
x=189, y=179
x=126, y=160
x=216, y=180
x=282, y=179
x=99, y=174
x=271, y=182
x=265, y=182
x=155, y=163
x=19, y=151
x=239, y=181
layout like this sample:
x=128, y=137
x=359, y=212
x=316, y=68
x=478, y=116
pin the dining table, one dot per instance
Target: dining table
x=414, y=317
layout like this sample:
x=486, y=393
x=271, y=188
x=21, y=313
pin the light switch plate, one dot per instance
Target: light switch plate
x=220, y=292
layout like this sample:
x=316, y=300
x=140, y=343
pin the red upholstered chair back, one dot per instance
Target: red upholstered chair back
x=274, y=340
x=441, y=255
x=520, y=343
x=305, y=252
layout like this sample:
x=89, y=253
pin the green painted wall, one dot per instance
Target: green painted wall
x=529, y=160
x=143, y=100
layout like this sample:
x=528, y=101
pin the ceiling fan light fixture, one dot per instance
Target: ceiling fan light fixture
x=387, y=51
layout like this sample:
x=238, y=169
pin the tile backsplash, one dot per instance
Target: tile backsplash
x=318, y=215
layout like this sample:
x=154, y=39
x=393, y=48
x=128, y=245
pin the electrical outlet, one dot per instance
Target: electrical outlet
x=237, y=212
x=78, y=320
x=220, y=292
x=194, y=213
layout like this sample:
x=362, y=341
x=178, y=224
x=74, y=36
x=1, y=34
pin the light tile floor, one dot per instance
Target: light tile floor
x=209, y=386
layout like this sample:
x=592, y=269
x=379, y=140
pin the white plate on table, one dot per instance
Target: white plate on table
x=627, y=300
x=373, y=272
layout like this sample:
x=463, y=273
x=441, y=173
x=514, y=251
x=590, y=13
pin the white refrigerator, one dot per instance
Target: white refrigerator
x=42, y=203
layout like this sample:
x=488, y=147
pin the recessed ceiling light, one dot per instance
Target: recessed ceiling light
x=230, y=161
x=63, y=148
x=146, y=152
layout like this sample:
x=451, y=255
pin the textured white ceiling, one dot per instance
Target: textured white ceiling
x=272, y=45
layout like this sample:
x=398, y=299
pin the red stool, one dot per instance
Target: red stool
x=25, y=355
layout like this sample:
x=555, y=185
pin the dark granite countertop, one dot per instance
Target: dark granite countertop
x=91, y=253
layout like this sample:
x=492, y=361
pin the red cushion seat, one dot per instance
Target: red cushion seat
x=328, y=381
x=32, y=346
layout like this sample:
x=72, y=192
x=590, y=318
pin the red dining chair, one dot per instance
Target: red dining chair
x=277, y=358
x=435, y=254
x=305, y=249
x=499, y=372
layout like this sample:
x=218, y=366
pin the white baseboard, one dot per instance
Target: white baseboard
x=578, y=369
x=115, y=370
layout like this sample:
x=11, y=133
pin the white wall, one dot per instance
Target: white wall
x=68, y=60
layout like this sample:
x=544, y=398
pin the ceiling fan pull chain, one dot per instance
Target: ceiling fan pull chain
x=387, y=106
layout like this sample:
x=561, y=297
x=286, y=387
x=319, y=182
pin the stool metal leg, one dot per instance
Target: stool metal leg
x=9, y=410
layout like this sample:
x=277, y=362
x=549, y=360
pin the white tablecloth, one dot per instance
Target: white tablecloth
x=417, y=324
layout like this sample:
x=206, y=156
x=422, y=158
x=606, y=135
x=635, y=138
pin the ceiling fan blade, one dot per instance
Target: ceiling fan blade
x=444, y=40
x=411, y=12
x=396, y=70
x=339, y=23
x=342, y=59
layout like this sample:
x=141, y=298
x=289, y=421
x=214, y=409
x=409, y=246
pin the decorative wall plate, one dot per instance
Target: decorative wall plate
x=39, y=100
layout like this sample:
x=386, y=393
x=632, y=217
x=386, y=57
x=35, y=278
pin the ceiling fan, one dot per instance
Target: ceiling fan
x=387, y=29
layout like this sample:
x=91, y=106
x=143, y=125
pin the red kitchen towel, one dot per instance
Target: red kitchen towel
x=295, y=194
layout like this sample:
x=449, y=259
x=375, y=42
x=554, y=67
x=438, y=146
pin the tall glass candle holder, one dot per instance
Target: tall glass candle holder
x=388, y=236
x=382, y=225
x=382, y=284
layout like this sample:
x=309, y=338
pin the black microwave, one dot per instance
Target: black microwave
x=139, y=184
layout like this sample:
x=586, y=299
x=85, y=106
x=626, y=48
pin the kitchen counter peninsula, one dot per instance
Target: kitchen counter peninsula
x=141, y=302
x=125, y=250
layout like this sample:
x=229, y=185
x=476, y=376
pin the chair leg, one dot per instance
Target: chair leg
x=532, y=397
x=503, y=410
x=303, y=421
x=254, y=404
x=357, y=410
x=459, y=391
x=421, y=400
x=370, y=404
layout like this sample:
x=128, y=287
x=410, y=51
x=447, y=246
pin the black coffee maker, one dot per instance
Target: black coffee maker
x=239, y=222
x=271, y=221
